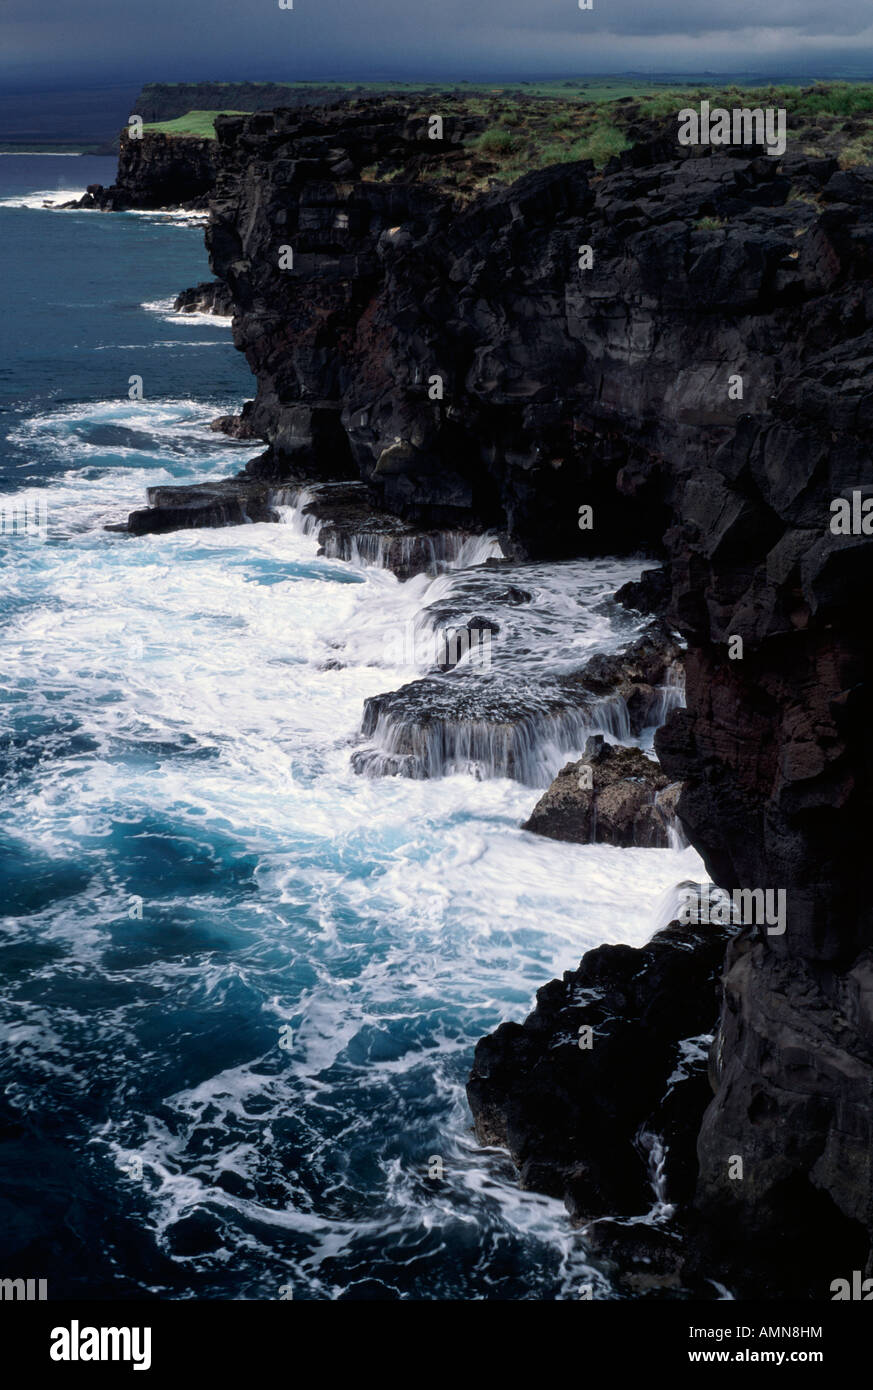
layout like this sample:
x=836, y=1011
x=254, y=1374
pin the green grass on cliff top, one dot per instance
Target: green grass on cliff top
x=833, y=118
x=539, y=124
x=199, y=123
x=654, y=97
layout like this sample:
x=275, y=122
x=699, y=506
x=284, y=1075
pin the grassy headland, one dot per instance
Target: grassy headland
x=533, y=125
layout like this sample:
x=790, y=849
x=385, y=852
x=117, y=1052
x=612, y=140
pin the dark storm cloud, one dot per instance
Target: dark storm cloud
x=176, y=39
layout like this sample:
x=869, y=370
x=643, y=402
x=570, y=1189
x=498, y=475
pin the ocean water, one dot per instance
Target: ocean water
x=241, y=986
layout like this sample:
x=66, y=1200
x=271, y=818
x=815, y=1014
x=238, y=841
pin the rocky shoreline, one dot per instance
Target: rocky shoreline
x=494, y=720
x=599, y=1094
x=156, y=171
x=701, y=382
x=610, y=796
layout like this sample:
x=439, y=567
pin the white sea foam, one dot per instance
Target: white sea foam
x=170, y=217
x=164, y=343
x=204, y=320
x=54, y=198
x=164, y=309
x=390, y=922
x=160, y=306
x=39, y=200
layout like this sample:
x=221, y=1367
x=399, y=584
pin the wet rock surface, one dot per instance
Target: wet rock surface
x=584, y=1122
x=227, y=503
x=609, y=796
x=235, y=426
x=495, y=720
x=342, y=515
x=350, y=527
x=648, y=594
x=210, y=297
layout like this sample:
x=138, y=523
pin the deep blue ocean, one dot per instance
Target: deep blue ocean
x=240, y=986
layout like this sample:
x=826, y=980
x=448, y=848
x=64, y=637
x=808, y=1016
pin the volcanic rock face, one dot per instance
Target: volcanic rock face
x=793, y=1069
x=470, y=366
x=157, y=171
x=774, y=750
x=211, y=297
x=494, y=721
x=610, y=796
x=390, y=321
x=613, y=1052
x=707, y=380
x=223, y=503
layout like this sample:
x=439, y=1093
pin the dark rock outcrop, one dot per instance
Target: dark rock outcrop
x=157, y=171
x=493, y=720
x=349, y=526
x=235, y=426
x=211, y=297
x=792, y=1067
x=609, y=796
x=647, y=677
x=648, y=594
x=774, y=752
x=610, y=1065
x=202, y=504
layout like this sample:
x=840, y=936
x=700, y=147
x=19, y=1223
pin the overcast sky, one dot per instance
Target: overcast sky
x=56, y=42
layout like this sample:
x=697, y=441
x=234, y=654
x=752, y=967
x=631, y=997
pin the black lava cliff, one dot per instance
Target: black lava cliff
x=157, y=171
x=451, y=351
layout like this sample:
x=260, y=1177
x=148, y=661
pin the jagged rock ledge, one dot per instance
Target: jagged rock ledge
x=499, y=723
x=228, y=502
x=341, y=514
x=350, y=527
x=612, y=796
x=607, y=1119
x=209, y=297
x=157, y=171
